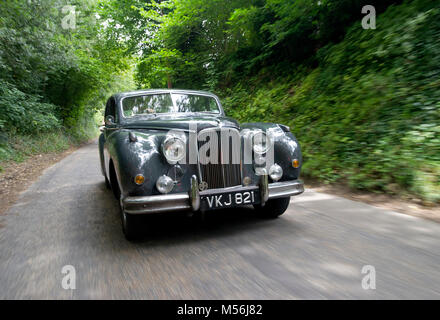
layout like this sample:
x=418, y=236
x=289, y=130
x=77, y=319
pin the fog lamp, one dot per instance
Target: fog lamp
x=164, y=184
x=139, y=179
x=275, y=172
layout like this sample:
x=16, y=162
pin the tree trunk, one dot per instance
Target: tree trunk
x=169, y=82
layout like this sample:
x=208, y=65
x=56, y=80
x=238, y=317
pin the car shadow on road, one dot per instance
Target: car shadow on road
x=169, y=228
x=179, y=226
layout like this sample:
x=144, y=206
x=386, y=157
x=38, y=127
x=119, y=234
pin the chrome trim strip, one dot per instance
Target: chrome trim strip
x=229, y=189
x=285, y=189
x=157, y=203
x=154, y=199
x=158, y=210
x=186, y=202
x=136, y=127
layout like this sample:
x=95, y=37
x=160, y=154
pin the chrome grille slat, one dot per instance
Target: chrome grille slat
x=221, y=175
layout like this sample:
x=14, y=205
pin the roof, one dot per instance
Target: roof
x=150, y=91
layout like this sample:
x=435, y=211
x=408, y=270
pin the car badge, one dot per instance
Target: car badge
x=203, y=186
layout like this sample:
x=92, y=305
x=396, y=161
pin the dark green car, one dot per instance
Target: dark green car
x=175, y=150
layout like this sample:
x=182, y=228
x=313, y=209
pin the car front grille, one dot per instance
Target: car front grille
x=221, y=169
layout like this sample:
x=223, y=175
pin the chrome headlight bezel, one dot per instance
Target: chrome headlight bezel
x=164, y=184
x=170, y=140
x=257, y=147
x=275, y=172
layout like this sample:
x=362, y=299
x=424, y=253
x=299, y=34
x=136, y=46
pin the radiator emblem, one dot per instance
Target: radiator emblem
x=203, y=186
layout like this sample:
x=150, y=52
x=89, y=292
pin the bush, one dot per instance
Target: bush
x=369, y=114
x=23, y=113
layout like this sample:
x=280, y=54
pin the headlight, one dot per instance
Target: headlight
x=261, y=142
x=173, y=149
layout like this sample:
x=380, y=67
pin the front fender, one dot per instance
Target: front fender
x=143, y=157
x=286, y=147
x=101, y=142
x=133, y=158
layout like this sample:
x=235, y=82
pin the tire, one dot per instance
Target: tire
x=107, y=183
x=129, y=222
x=273, y=208
x=129, y=226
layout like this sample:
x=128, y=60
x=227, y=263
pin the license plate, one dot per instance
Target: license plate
x=229, y=199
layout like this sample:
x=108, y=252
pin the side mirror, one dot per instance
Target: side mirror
x=109, y=120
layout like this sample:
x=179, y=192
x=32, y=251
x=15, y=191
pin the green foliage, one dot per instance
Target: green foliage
x=54, y=79
x=158, y=68
x=223, y=40
x=23, y=113
x=370, y=113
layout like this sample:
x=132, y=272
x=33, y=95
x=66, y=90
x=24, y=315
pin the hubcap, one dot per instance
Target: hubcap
x=203, y=186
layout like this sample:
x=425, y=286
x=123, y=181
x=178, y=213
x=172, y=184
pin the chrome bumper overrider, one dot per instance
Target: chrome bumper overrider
x=191, y=201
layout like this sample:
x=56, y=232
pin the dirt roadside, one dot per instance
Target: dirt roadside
x=388, y=202
x=17, y=177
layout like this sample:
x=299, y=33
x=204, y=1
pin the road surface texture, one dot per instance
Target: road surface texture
x=316, y=250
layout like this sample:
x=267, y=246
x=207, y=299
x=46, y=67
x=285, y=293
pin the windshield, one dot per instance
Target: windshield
x=167, y=103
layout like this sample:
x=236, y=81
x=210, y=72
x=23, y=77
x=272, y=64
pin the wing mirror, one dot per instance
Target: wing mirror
x=109, y=120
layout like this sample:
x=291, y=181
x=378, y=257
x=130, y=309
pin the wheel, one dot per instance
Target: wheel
x=107, y=183
x=128, y=221
x=129, y=226
x=273, y=208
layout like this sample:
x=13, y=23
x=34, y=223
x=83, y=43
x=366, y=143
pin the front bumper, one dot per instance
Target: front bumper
x=191, y=201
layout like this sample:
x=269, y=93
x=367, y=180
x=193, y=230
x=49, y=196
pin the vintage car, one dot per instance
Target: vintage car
x=175, y=150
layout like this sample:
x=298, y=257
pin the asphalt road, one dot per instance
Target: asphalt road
x=317, y=249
